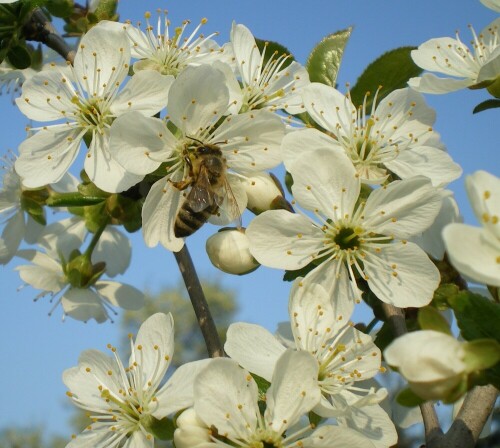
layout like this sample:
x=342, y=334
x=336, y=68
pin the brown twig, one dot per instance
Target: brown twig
x=40, y=29
x=200, y=305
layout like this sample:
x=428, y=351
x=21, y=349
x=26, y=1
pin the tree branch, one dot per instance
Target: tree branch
x=469, y=422
x=433, y=432
x=40, y=29
x=200, y=305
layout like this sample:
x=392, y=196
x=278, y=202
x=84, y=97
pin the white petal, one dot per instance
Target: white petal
x=254, y=348
x=406, y=107
x=474, y=252
x=403, y=275
x=300, y=142
x=119, y=294
x=491, y=69
x=372, y=422
x=284, y=240
x=104, y=170
x=254, y=141
x=178, y=393
x=492, y=4
x=403, y=208
x=12, y=235
x=102, y=59
x=294, y=390
x=247, y=54
x=45, y=97
x=483, y=190
x=45, y=273
x=314, y=314
x=98, y=435
x=197, y=98
x=115, y=249
x=154, y=346
x=430, y=83
x=140, y=144
x=146, y=92
x=62, y=237
x=46, y=156
x=329, y=184
x=226, y=397
x=329, y=108
x=83, y=304
x=433, y=163
x=330, y=436
x=159, y=213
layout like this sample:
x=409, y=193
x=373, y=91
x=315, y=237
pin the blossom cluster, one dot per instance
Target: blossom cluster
x=180, y=130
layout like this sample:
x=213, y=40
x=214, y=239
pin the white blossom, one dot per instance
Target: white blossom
x=198, y=100
x=346, y=359
x=464, y=67
x=475, y=252
x=396, y=136
x=226, y=399
x=273, y=84
x=87, y=101
x=347, y=238
x=432, y=362
x=123, y=401
x=83, y=295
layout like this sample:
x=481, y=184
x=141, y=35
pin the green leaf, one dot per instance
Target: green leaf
x=392, y=71
x=481, y=354
x=409, y=398
x=429, y=318
x=485, y=105
x=324, y=61
x=274, y=50
x=19, y=56
x=106, y=10
x=477, y=317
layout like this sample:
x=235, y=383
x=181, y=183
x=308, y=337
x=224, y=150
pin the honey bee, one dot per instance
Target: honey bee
x=209, y=189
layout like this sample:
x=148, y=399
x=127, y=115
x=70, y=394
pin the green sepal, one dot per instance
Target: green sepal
x=314, y=419
x=429, y=318
x=485, y=105
x=161, y=429
x=95, y=217
x=19, y=56
x=106, y=10
x=60, y=8
x=391, y=71
x=274, y=50
x=443, y=294
x=262, y=384
x=481, y=354
x=34, y=209
x=458, y=391
x=73, y=200
x=324, y=60
x=288, y=182
x=409, y=399
x=477, y=317
x=125, y=211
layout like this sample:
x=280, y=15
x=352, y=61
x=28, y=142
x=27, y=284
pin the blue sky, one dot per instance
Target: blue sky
x=36, y=349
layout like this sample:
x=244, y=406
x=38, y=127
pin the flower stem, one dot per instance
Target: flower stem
x=95, y=239
x=199, y=302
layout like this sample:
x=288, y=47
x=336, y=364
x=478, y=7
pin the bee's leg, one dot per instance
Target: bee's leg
x=181, y=184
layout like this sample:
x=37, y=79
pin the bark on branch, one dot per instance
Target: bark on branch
x=200, y=305
x=40, y=29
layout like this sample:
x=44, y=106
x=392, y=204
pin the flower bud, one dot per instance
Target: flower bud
x=264, y=192
x=432, y=362
x=191, y=431
x=229, y=250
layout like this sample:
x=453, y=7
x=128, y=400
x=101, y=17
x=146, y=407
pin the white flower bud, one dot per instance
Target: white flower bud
x=191, y=431
x=262, y=190
x=432, y=362
x=229, y=250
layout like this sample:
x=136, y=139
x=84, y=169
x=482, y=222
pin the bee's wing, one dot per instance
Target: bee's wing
x=229, y=204
x=201, y=195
